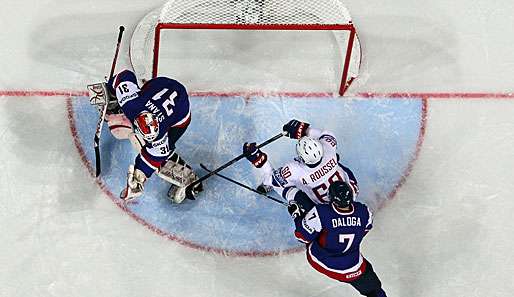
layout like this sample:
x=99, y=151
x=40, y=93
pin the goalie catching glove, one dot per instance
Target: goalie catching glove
x=101, y=94
x=135, y=184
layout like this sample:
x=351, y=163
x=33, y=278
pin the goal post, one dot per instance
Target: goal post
x=291, y=45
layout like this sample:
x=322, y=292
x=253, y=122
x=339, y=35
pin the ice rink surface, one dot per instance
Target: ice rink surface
x=442, y=225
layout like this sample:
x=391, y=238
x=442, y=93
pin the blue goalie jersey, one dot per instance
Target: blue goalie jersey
x=333, y=239
x=167, y=100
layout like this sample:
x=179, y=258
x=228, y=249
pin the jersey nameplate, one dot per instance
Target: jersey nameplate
x=346, y=222
x=323, y=170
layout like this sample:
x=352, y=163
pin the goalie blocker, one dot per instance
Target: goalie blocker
x=160, y=113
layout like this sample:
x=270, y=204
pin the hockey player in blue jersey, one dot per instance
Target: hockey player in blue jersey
x=160, y=112
x=333, y=233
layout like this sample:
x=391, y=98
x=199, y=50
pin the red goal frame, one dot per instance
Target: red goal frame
x=297, y=27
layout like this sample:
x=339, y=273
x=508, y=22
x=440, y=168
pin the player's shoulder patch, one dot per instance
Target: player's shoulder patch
x=329, y=139
x=280, y=175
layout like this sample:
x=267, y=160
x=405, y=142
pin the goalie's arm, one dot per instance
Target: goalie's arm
x=125, y=88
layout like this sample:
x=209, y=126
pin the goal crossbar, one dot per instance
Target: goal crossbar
x=345, y=83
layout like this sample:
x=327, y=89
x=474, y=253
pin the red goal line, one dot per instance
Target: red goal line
x=376, y=95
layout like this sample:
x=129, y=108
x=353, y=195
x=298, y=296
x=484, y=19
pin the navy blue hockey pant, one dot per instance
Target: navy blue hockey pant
x=368, y=284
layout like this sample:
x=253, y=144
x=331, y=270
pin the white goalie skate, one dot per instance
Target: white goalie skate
x=178, y=173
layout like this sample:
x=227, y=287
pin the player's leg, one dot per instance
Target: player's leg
x=119, y=125
x=176, y=170
x=368, y=284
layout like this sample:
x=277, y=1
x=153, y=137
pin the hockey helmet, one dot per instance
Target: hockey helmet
x=340, y=193
x=309, y=150
x=147, y=125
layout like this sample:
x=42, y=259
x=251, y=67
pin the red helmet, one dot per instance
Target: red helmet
x=147, y=125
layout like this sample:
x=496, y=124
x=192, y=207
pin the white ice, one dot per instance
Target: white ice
x=446, y=233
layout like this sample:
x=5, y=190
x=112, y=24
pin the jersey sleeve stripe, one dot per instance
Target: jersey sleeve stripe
x=147, y=159
x=300, y=237
x=184, y=122
x=322, y=238
x=370, y=220
x=285, y=191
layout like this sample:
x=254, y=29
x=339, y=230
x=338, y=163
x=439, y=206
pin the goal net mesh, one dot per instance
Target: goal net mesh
x=309, y=36
x=264, y=12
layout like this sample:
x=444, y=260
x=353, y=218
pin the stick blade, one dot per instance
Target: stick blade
x=189, y=193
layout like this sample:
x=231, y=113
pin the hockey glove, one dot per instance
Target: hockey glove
x=295, y=210
x=264, y=189
x=303, y=201
x=295, y=129
x=254, y=155
x=135, y=184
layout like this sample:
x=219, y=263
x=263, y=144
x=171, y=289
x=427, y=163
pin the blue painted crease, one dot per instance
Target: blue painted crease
x=377, y=140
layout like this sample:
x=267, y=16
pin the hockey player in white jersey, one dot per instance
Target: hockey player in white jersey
x=315, y=167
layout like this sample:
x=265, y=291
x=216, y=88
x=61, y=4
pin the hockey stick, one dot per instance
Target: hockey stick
x=189, y=188
x=104, y=110
x=244, y=186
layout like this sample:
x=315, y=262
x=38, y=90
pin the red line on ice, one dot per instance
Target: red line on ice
x=423, y=96
x=396, y=95
x=40, y=93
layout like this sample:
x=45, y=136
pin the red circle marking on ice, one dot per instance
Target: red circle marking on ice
x=422, y=96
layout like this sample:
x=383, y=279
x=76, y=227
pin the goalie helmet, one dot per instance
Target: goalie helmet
x=310, y=151
x=340, y=194
x=147, y=125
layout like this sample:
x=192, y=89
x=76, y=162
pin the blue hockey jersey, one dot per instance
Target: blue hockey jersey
x=167, y=100
x=333, y=239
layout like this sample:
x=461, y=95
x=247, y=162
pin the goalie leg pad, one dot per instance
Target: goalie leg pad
x=177, y=172
x=135, y=184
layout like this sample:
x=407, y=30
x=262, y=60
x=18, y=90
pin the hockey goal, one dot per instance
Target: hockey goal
x=231, y=46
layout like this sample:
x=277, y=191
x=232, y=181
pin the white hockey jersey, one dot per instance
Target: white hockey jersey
x=296, y=176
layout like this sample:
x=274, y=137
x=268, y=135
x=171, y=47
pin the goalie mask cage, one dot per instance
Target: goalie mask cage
x=292, y=33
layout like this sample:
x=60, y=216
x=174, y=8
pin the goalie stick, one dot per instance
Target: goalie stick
x=189, y=188
x=244, y=186
x=98, y=131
